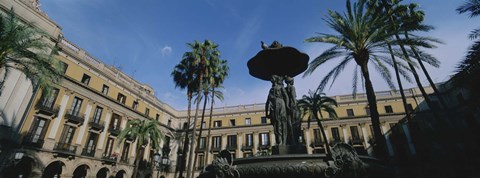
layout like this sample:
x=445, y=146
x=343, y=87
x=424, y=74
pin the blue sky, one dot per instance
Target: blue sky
x=147, y=38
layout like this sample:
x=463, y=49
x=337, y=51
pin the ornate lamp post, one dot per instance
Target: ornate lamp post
x=161, y=162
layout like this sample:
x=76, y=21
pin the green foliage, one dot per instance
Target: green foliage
x=143, y=131
x=25, y=48
x=314, y=103
x=362, y=37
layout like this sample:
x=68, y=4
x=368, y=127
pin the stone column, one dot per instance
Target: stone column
x=255, y=143
x=365, y=135
x=103, y=135
x=224, y=142
x=272, y=138
x=239, y=145
x=387, y=138
x=59, y=118
x=345, y=133
x=146, y=151
x=84, y=127
x=306, y=133
x=411, y=146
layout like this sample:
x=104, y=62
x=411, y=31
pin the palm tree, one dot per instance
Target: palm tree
x=361, y=39
x=143, y=132
x=470, y=64
x=473, y=8
x=217, y=67
x=395, y=11
x=203, y=54
x=312, y=106
x=184, y=77
x=25, y=48
x=217, y=77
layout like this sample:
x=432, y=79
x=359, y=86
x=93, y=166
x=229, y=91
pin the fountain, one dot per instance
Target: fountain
x=280, y=64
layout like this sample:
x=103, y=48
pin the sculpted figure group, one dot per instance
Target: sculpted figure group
x=282, y=110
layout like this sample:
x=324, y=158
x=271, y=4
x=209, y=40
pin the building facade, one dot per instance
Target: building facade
x=73, y=131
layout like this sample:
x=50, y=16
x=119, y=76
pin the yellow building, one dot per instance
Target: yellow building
x=74, y=130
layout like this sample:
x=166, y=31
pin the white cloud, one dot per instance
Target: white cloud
x=167, y=50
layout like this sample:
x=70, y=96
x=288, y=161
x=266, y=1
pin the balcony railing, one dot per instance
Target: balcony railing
x=317, y=143
x=247, y=147
x=232, y=147
x=88, y=152
x=65, y=148
x=201, y=149
x=109, y=159
x=30, y=141
x=74, y=117
x=114, y=130
x=356, y=141
x=264, y=147
x=46, y=109
x=96, y=124
x=216, y=149
x=335, y=141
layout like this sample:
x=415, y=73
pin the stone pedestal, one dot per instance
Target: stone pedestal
x=289, y=149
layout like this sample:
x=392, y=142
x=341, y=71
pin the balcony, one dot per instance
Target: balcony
x=232, y=147
x=129, y=137
x=216, y=149
x=65, y=148
x=109, y=159
x=114, y=130
x=96, y=124
x=356, y=141
x=74, y=117
x=317, y=143
x=201, y=149
x=32, y=141
x=334, y=141
x=47, y=110
x=247, y=147
x=88, y=152
x=264, y=147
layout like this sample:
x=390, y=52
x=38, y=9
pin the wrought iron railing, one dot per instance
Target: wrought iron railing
x=96, y=124
x=88, y=152
x=75, y=117
x=31, y=141
x=65, y=148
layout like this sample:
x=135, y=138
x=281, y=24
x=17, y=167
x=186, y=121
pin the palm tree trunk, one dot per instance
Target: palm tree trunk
x=186, y=142
x=201, y=126
x=137, y=160
x=415, y=75
x=380, y=142
x=209, y=126
x=399, y=81
x=190, y=172
x=404, y=51
x=324, y=136
x=427, y=75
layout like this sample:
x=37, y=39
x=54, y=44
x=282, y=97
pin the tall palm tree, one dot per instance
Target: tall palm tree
x=217, y=67
x=25, y=48
x=412, y=21
x=217, y=77
x=361, y=38
x=312, y=106
x=472, y=7
x=470, y=64
x=143, y=132
x=203, y=54
x=391, y=10
x=184, y=77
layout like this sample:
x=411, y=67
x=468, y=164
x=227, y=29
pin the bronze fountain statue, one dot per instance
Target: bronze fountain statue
x=280, y=64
